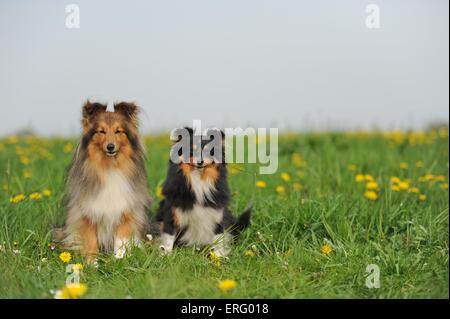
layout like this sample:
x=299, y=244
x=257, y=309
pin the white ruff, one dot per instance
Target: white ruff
x=202, y=188
x=200, y=223
x=105, y=208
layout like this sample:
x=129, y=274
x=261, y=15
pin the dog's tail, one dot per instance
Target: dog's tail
x=243, y=221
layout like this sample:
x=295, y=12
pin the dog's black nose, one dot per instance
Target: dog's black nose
x=110, y=147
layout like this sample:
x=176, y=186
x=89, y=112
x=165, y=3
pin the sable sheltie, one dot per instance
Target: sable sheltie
x=195, y=211
x=107, y=197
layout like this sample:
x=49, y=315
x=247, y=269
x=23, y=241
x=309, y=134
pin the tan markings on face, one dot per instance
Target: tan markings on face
x=186, y=170
x=110, y=137
x=210, y=173
x=110, y=134
x=109, y=130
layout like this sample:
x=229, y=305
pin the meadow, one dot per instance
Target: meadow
x=338, y=203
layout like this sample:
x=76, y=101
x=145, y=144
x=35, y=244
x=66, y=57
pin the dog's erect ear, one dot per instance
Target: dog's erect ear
x=130, y=110
x=90, y=110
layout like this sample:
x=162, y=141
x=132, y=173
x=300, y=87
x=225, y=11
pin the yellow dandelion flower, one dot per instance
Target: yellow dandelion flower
x=227, y=285
x=371, y=195
x=158, y=192
x=419, y=164
x=395, y=188
x=77, y=267
x=403, y=185
x=285, y=177
x=369, y=178
x=24, y=160
x=297, y=159
x=13, y=139
x=443, y=133
x=260, y=184
x=395, y=180
x=68, y=148
x=46, y=192
x=300, y=174
x=444, y=185
x=71, y=291
x=422, y=197
x=280, y=189
x=439, y=178
x=297, y=186
x=65, y=256
x=289, y=252
x=413, y=190
x=360, y=178
x=234, y=168
x=372, y=185
x=404, y=165
x=249, y=253
x=35, y=196
x=326, y=250
x=26, y=174
x=215, y=259
x=17, y=199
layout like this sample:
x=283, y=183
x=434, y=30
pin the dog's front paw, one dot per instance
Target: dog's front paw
x=165, y=250
x=221, y=252
x=92, y=260
x=167, y=242
x=120, y=247
x=120, y=253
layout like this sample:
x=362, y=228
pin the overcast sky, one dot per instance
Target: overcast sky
x=295, y=65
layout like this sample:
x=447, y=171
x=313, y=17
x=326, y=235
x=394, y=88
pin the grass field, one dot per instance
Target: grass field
x=338, y=203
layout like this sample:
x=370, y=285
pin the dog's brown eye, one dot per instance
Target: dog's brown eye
x=119, y=131
x=101, y=132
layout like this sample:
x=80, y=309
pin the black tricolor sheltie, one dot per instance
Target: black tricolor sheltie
x=195, y=211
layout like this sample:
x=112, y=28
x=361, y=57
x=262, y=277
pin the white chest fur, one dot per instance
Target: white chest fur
x=202, y=188
x=199, y=224
x=114, y=197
